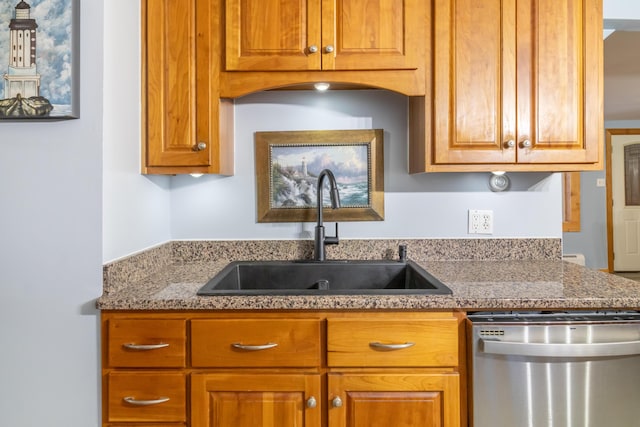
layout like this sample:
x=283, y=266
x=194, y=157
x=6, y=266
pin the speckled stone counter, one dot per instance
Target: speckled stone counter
x=500, y=274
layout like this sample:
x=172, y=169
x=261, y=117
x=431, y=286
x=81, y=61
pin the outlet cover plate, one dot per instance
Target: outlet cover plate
x=480, y=221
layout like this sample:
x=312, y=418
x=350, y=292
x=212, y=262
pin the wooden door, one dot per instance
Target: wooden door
x=559, y=61
x=255, y=400
x=264, y=35
x=372, y=34
x=625, y=186
x=171, y=61
x=474, y=102
x=398, y=400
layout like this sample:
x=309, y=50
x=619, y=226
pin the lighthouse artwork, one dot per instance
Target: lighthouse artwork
x=36, y=49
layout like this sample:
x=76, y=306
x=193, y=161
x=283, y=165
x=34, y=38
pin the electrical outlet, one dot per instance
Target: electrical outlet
x=480, y=222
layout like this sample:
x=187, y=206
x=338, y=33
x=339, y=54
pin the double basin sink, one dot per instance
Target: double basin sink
x=324, y=278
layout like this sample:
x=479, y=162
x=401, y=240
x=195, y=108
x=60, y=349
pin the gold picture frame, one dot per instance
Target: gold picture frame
x=287, y=164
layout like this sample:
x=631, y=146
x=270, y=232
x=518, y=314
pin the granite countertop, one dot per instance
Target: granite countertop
x=476, y=285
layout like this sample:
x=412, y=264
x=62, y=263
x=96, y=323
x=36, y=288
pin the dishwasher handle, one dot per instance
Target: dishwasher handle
x=624, y=348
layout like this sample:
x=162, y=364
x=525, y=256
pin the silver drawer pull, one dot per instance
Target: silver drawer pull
x=148, y=402
x=144, y=347
x=381, y=346
x=254, y=347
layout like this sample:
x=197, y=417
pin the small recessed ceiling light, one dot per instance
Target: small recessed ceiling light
x=499, y=181
x=196, y=175
x=321, y=86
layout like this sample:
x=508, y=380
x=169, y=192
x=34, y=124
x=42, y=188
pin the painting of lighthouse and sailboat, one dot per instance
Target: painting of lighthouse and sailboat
x=38, y=59
x=288, y=165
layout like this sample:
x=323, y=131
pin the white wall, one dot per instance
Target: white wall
x=620, y=10
x=420, y=206
x=136, y=213
x=50, y=255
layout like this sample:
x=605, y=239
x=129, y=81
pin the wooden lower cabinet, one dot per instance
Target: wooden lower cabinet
x=255, y=400
x=282, y=369
x=352, y=399
x=146, y=396
x=398, y=400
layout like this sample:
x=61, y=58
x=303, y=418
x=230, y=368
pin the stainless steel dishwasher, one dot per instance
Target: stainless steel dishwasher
x=570, y=369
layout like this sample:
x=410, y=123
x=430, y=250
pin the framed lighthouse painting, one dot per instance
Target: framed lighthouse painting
x=39, y=59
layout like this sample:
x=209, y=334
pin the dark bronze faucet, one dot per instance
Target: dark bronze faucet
x=320, y=239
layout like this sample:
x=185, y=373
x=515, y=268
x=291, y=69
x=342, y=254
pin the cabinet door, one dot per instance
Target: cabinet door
x=474, y=81
x=559, y=81
x=299, y=35
x=171, y=92
x=399, y=400
x=187, y=127
x=255, y=400
x=517, y=82
x=263, y=35
x=372, y=34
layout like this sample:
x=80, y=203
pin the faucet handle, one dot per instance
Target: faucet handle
x=402, y=253
x=332, y=240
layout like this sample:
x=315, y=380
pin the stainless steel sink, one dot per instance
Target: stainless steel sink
x=323, y=278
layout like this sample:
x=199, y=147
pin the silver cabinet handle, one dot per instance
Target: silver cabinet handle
x=525, y=144
x=144, y=347
x=328, y=48
x=312, y=402
x=625, y=348
x=266, y=346
x=200, y=146
x=399, y=346
x=510, y=143
x=147, y=402
x=313, y=48
x=336, y=402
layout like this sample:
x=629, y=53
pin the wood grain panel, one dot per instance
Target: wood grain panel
x=374, y=34
x=171, y=333
x=560, y=81
x=249, y=400
x=171, y=97
x=146, y=386
x=298, y=343
x=349, y=342
x=475, y=92
x=399, y=400
x=170, y=74
x=272, y=34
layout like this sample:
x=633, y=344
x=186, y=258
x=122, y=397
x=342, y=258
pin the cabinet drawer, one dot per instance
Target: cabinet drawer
x=146, y=396
x=156, y=343
x=255, y=343
x=398, y=342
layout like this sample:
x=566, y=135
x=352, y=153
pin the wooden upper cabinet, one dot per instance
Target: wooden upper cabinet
x=516, y=85
x=302, y=35
x=560, y=81
x=184, y=121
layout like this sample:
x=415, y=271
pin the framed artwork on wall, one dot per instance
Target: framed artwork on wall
x=288, y=164
x=39, y=59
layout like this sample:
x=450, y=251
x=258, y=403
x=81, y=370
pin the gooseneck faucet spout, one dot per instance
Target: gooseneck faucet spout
x=320, y=239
